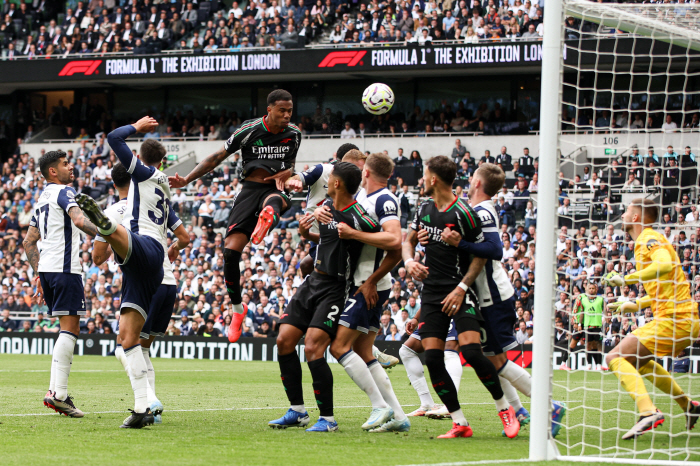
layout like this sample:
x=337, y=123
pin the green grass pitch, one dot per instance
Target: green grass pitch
x=216, y=412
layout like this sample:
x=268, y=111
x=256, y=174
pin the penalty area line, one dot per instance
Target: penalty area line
x=467, y=463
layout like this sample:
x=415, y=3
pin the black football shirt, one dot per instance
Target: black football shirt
x=338, y=257
x=262, y=149
x=446, y=264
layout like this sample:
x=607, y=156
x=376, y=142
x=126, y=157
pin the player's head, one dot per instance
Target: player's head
x=56, y=168
x=344, y=177
x=592, y=289
x=641, y=212
x=279, y=108
x=488, y=178
x=379, y=166
x=344, y=149
x=355, y=157
x=439, y=171
x=151, y=152
x=120, y=177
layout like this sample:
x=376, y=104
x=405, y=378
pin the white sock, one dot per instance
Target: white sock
x=458, y=418
x=511, y=394
x=151, y=376
x=52, y=381
x=113, y=227
x=502, y=404
x=518, y=377
x=453, y=364
x=237, y=308
x=62, y=360
x=301, y=409
x=416, y=375
x=385, y=388
x=119, y=354
x=328, y=418
x=360, y=374
x=138, y=374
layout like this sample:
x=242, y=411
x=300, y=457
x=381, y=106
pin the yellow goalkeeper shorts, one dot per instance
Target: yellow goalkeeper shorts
x=666, y=336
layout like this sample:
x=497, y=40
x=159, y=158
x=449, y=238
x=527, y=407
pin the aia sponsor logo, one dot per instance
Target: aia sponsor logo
x=342, y=58
x=85, y=67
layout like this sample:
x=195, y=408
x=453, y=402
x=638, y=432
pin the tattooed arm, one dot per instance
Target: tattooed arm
x=82, y=222
x=32, y=251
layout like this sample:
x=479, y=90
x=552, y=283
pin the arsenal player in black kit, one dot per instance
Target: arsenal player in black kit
x=268, y=148
x=315, y=308
x=447, y=274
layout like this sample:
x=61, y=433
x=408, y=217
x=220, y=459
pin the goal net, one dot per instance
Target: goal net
x=626, y=128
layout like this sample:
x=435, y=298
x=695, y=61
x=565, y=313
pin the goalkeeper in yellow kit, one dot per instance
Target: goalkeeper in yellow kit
x=675, y=326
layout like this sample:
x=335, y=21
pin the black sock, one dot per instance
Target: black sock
x=277, y=204
x=441, y=380
x=323, y=385
x=290, y=371
x=590, y=358
x=232, y=275
x=484, y=369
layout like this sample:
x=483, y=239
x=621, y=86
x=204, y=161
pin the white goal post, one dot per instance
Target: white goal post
x=627, y=60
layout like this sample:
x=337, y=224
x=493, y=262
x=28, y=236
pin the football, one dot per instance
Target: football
x=378, y=99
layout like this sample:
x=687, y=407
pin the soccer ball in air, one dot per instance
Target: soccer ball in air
x=378, y=99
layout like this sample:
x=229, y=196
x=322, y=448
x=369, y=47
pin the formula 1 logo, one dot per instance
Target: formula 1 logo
x=86, y=67
x=340, y=58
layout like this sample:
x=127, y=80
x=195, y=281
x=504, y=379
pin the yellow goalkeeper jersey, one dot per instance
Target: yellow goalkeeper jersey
x=670, y=293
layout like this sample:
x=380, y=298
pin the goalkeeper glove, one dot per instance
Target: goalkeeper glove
x=623, y=307
x=614, y=279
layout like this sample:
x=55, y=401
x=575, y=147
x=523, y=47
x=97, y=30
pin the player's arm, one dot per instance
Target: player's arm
x=305, y=224
x=100, y=251
x=182, y=238
x=304, y=179
x=661, y=265
x=413, y=267
x=389, y=239
x=117, y=141
x=82, y=222
x=32, y=250
x=412, y=323
x=453, y=302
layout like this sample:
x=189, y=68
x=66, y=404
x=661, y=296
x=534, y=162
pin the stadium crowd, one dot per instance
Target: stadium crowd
x=42, y=29
x=588, y=247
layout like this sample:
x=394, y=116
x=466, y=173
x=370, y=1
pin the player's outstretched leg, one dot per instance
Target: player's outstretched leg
x=58, y=399
x=92, y=210
x=269, y=217
x=664, y=381
x=488, y=375
x=416, y=375
x=290, y=373
x=445, y=388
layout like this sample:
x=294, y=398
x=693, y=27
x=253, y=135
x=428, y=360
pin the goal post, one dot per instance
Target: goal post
x=620, y=96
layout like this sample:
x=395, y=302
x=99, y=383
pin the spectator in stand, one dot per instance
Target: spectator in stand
x=458, y=152
x=348, y=132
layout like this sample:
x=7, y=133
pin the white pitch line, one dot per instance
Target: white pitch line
x=115, y=370
x=466, y=463
x=221, y=409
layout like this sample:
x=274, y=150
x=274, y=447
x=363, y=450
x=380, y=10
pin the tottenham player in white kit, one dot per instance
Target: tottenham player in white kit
x=58, y=274
x=163, y=302
x=139, y=245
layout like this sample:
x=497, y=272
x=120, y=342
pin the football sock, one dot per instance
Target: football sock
x=62, y=360
x=138, y=373
x=277, y=204
x=360, y=374
x=486, y=372
x=632, y=382
x=590, y=358
x=458, y=418
x=290, y=371
x=151, y=376
x=121, y=357
x=664, y=382
x=453, y=363
x=385, y=388
x=323, y=386
x=416, y=375
x=511, y=394
x=232, y=277
x=442, y=382
x=518, y=378
x=599, y=360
